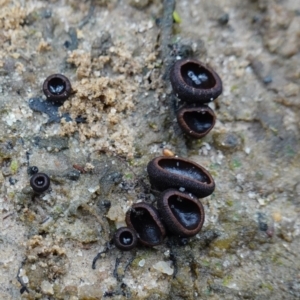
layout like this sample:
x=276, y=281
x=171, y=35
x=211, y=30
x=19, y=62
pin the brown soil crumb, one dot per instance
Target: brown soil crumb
x=43, y=46
x=11, y=15
x=104, y=101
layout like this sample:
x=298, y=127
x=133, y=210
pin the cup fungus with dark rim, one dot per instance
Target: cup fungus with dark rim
x=125, y=238
x=145, y=220
x=57, y=88
x=182, y=213
x=196, y=121
x=194, y=82
x=40, y=182
x=179, y=173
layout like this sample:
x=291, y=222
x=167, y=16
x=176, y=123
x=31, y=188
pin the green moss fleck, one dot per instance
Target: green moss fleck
x=229, y=202
x=234, y=88
x=259, y=175
x=227, y=280
x=176, y=17
x=128, y=176
x=235, y=163
x=267, y=285
x=14, y=166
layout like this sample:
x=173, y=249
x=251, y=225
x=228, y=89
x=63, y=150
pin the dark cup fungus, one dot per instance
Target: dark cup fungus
x=57, y=88
x=194, y=82
x=144, y=219
x=182, y=213
x=32, y=170
x=179, y=173
x=196, y=121
x=125, y=238
x=40, y=182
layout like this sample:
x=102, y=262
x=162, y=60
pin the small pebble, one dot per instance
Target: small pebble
x=224, y=19
x=142, y=262
x=163, y=267
x=168, y=152
x=47, y=288
x=277, y=216
x=291, y=89
x=267, y=79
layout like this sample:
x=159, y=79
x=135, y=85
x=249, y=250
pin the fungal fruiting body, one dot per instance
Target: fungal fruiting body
x=194, y=82
x=182, y=213
x=40, y=182
x=57, y=88
x=196, y=121
x=125, y=238
x=145, y=220
x=174, y=172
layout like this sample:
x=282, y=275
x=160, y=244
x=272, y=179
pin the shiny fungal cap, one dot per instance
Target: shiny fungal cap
x=144, y=219
x=32, y=170
x=194, y=82
x=179, y=173
x=183, y=213
x=57, y=88
x=125, y=238
x=196, y=121
x=40, y=182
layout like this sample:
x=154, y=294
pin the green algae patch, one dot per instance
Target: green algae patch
x=224, y=243
x=81, y=231
x=14, y=166
x=176, y=17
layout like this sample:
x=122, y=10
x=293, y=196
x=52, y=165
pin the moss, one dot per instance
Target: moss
x=176, y=17
x=137, y=259
x=217, y=270
x=214, y=166
x=227, y=280
x=128, y=176
x=57, y=210
x=290, y=151
x=214, y=173
x=267, y=285
x=223, y=243
x=205, y=263
x=5, y=151
x=14, y=166
x=229, y=202
x=153, y=126
x=259, y=175
x=235, y=163
x=11, y=194
x=81, y=231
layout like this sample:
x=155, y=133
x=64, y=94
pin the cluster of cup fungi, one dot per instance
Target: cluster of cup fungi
x=180, y=181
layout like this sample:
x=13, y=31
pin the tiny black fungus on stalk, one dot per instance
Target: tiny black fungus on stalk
x=40, y=182
x=125, y=238
x=31, y=170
